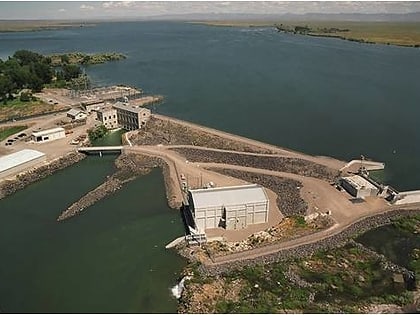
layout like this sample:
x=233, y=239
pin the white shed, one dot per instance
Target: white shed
x=233, y=207
x=48, y=135
x=358, y=186
x=76, y=114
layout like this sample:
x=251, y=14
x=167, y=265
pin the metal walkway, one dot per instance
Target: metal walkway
x=106, y=149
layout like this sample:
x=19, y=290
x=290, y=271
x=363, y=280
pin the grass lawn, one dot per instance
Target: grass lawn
x=16, y=108
x=8, y=131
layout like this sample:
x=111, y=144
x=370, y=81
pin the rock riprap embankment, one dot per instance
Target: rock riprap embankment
x=164, y=132
x=287, y=190
x=272, y=163
x=308, y=249
x=22, y=180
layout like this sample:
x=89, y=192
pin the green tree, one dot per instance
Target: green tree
x=65, y=59
x=26, y=57
x=6, y=88
x=71, y=72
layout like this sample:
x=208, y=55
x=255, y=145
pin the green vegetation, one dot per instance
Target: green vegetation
x=32, y=71
x=8, y=131
x=408, y=224
x=24, y=70
x=343, y=279
x=390, y=33
x=17, y=108
x=77, y=58
x=97, y=132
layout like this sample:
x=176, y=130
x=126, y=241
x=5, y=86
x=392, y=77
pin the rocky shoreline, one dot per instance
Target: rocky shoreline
x=23, y=180
x=273, y=163
x=129, y=167
x=291, y=203
x=305, y=250
x=159, y=131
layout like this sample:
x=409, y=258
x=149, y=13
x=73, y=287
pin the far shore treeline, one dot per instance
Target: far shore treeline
x=28, y=72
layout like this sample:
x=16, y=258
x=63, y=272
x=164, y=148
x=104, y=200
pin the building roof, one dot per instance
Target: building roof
x=47, y=132
x=74, y=112
x=105, y=109
x=130, y=108
x=359, y=182
x=15, y=159
x=228, y=196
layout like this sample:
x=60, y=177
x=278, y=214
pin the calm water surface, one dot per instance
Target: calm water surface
x=320, y=96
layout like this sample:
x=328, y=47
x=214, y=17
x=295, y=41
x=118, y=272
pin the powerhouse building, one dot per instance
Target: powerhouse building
x=131, y=117
x=232, y=208
x=19, y=161
x=358, y=186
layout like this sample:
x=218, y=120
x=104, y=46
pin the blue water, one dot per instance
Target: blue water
x=321, y=96
x=317, y=95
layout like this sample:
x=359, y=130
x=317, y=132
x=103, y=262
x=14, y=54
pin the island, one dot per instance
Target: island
x=84, y=59
x=405, y=34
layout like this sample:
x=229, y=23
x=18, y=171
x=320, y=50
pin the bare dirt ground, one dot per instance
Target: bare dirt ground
x=53, y=149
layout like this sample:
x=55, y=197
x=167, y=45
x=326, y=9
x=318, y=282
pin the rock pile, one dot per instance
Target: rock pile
x=159, y=131
x=273, y=163
x=309, y=249
x=289, y=200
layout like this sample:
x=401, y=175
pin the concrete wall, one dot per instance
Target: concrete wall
x=22, y=167
x=358, y=193
x=108, y=118
x=232, y=217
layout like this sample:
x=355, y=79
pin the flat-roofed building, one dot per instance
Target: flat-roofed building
x=131, y=117
x=233, y=207
x=358, y=186
x=19, y=161
x=108, y=116
x=92, y=105
x=76, y=114
x=48, y=135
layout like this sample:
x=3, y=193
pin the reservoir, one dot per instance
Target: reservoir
x=317, y=95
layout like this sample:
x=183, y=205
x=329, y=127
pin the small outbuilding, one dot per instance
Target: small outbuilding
x=359, y=187
x=232, y=208
x=48, y=135
x=76, y=114
x=19, y=161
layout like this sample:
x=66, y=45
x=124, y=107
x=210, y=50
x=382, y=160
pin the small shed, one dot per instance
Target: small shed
x=76, y=114
x=359, y=187
x=48, y=135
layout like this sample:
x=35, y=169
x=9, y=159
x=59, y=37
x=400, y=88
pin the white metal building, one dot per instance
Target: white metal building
x=76, y=114
x=17, y=162
x=358, y=186
x=48, y=135
x=233, y=207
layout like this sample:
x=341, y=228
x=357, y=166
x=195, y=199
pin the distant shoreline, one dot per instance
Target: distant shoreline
x=12, y=26
x=403, y=34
